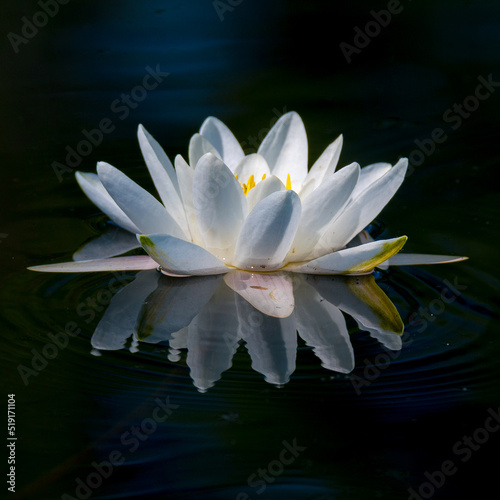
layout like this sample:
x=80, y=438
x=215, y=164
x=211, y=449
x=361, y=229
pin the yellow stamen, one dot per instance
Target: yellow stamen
x=236, y=175
x=264, y=176
x=288, y=183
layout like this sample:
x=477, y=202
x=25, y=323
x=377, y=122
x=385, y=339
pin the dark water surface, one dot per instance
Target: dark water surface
x=226, y=411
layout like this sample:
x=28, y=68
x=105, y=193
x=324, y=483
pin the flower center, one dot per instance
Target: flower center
x=251, y=183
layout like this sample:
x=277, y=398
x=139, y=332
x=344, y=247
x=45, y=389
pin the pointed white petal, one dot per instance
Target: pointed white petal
x=217, y=133
x=163, y=174
x=356, y=260
x=414, y=259
x=268, y=232
x=132, y=263
x=362, y=210
x=181, y=257
x=199, y=146
x=96, y=192
x=145, y=211
x=185, y=178
x=321, y=209
x=323, y=167
x=369, y=175
x=285, y=148
x=219, y=203
x=120, y=319
x=271, y=294
x=253, y=164
x=269, y=185
x=114, y=241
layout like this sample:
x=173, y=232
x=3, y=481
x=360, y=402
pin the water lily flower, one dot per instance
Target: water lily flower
x=262, y=212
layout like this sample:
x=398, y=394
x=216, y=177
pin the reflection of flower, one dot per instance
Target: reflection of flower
x=209, y=316
x=260, y=212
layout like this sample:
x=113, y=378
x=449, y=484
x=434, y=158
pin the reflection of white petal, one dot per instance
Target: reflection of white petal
x=132, y=263
x=271, y=294
x=212, y=339
x=120, y=319
x=179, y=339
x=323, y=327
x=114, y=241
x=271, y=342
x=223, y=140
x=354, y=260
x=181, y=257
x=173, y=305
x=268, y=232
x=363, y=299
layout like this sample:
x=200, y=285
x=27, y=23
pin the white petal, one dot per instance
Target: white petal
x=199, y=146
x=253, y=164
x=120, y=319
x=219, y=203
x=364, y=300
x=369, y=175
x=96, y=192
x=185, y=178
x=212, y=339
x=173, y=305
x=362, y=210
x=163, y=174
x=181, y=257
x=223, y=140
x=271, y=342
x=355, y=260
x=271, y=294
x=323, y=327
x=285, y=148
x=323, y=167
x=268, y=232
x=114, y=241
x=322, y=209
x=145, y=211
x=132, y=263
x=269, y=185
x=414, y=259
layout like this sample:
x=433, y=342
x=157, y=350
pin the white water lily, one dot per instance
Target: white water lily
x=262, y=212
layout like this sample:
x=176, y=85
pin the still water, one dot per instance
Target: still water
x=197, y=389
